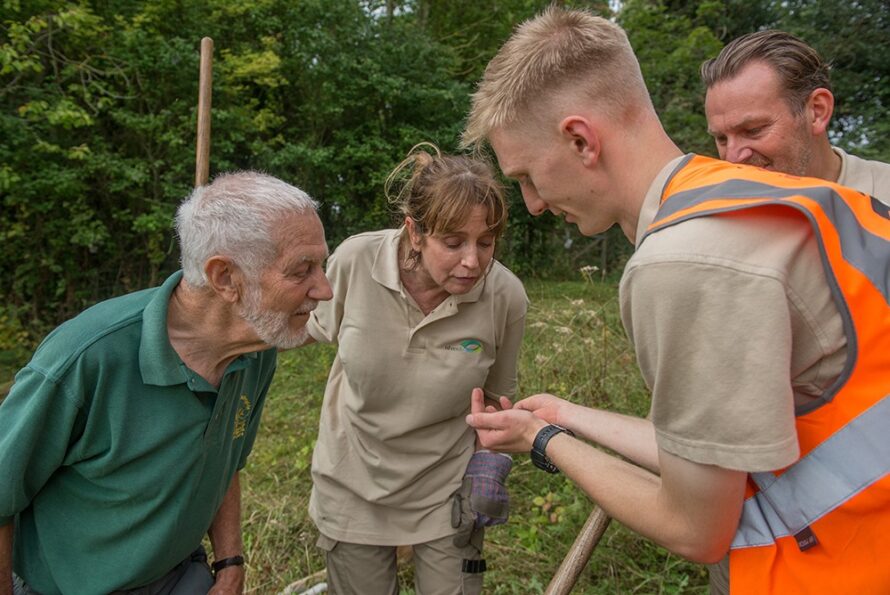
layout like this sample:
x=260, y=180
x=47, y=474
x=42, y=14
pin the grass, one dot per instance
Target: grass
x=574, y=347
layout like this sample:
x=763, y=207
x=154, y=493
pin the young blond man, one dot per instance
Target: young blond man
x=769, y=103
x=747, y=308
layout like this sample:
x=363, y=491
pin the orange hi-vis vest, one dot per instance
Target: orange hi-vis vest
x=821, y=525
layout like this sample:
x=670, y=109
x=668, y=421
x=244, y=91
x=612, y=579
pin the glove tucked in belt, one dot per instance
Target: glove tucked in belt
x=489, y=500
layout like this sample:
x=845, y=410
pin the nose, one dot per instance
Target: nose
x=470, y=258
x=533, y=202
x=737, y=151
x=321, y=287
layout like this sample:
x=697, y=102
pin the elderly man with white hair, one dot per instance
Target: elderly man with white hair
x=122, y=438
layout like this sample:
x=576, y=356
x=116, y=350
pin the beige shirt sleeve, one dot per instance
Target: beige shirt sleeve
x=715, y=351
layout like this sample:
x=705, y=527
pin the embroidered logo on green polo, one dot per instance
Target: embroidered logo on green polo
x=467, y=346
x=241, y=416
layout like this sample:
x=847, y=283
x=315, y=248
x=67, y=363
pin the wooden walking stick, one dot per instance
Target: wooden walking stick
x=576, y=559
x=205, y=88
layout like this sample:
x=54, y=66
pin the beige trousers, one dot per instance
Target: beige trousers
x=357, y=569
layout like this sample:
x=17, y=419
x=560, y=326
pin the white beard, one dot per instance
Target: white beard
x=273, y=328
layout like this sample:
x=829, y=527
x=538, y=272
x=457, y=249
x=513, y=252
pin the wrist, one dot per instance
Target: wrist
x=227, y=565
x=229, y=574
x=532, y=431
x=230, y=579
x=539, y=446
x=565, y=415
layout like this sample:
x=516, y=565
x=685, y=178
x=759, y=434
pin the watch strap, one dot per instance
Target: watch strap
x=539, y=447
x=226, y=562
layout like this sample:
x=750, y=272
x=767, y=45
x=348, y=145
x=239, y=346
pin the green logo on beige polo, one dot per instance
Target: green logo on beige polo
x=471, y=345
x=467, y=346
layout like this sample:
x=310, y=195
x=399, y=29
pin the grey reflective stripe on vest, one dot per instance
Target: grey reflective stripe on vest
x=867, y=252
x=854, y=458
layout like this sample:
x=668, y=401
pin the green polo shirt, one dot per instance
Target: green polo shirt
x=114, y=455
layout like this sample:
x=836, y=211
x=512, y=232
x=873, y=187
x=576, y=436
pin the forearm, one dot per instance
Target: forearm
x=630, y=437
x=6, y=559
x=225, y=536
x=692, y=510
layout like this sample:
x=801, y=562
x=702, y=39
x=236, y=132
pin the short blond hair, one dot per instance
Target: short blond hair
x=544, y=56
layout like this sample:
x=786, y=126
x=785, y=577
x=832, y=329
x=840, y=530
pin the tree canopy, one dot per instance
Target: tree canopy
x=97, y=127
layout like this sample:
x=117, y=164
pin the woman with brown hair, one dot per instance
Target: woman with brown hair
x=421, y=316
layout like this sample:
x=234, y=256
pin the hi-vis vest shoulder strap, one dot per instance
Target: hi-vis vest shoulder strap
x=821, y=525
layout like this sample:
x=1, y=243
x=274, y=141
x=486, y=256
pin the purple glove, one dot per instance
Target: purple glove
x=489, y=500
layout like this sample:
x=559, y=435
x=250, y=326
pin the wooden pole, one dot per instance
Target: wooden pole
x=205, y=89
x=576, y=559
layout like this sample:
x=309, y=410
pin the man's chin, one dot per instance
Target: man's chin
x=589, y=232
x=280, y=331
x=289, y=340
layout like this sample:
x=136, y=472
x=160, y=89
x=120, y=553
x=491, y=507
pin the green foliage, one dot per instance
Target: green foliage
x=98, y=116
x=852, y=37
x=98, y=119
x=671, y=45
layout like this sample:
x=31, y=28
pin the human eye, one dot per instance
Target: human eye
x=452, y=242
x=755, y=131
x=301, y=272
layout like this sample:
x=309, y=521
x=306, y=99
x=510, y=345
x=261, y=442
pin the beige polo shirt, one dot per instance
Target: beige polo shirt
x=733, y=323
x=870, y=177
x=393, y=443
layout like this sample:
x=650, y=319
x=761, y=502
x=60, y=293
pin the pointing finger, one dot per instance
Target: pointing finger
x=477, y=401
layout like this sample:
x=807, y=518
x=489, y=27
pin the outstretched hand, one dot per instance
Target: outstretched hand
x=545, y=406
x=509, y=430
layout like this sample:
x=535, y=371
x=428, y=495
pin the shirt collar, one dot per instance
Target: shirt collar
x=652, y=201
x=158, y=361
x=385, y=269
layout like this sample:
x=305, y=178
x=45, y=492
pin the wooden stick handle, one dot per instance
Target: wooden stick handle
x=576, y=559
x=205, y=89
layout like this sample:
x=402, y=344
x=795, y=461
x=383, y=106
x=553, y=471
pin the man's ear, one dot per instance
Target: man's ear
x=819, y=107
x=585, y=141
x=224, y=277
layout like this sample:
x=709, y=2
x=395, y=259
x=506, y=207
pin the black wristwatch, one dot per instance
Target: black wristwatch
x=539, y=447
x=226, y=562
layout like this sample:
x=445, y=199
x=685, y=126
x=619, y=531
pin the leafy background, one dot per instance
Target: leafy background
x=98, y=103
x=97, y=135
